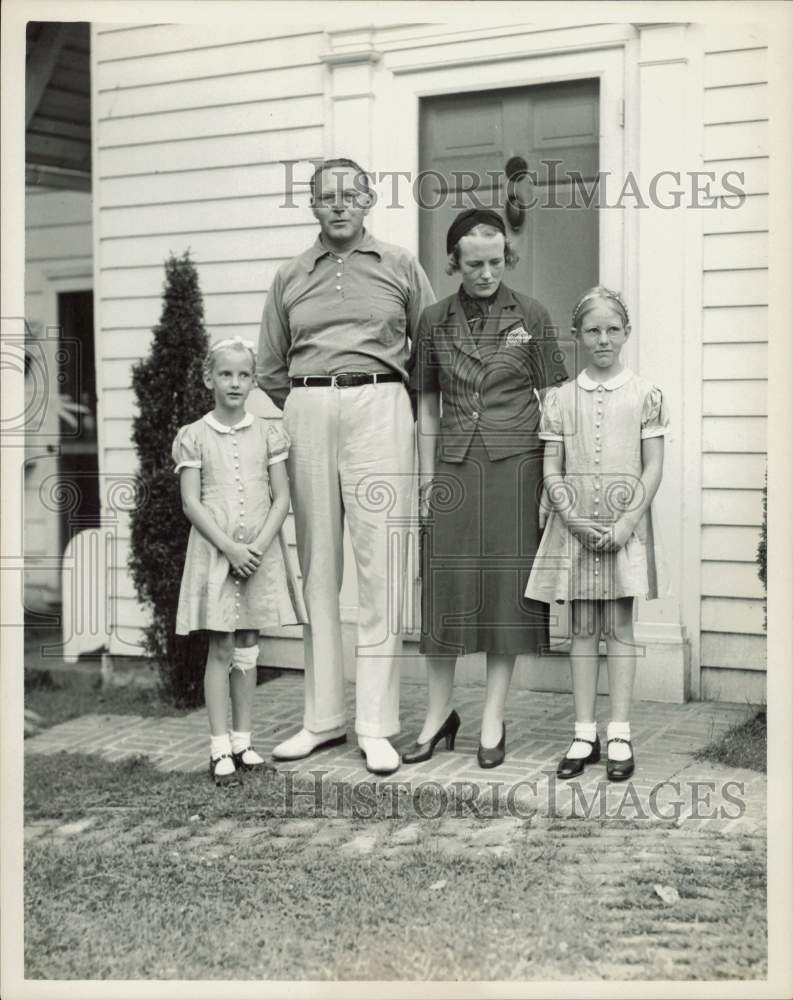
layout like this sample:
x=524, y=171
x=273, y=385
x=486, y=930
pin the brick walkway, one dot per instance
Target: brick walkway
x=538, y=728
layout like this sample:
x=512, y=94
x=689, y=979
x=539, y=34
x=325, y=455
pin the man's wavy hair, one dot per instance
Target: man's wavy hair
x=341, y=161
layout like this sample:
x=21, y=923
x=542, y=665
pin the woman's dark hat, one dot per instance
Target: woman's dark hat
x=468, y=220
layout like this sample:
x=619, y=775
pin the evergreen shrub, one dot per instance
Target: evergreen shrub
x=169, y=392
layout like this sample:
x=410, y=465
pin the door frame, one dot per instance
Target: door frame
x=397, y=102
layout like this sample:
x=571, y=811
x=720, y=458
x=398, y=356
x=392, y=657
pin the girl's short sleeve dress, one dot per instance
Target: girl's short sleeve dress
x=601, y=427
x=235, y=489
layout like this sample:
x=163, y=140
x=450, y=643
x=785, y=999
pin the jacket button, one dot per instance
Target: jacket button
x=475, y=415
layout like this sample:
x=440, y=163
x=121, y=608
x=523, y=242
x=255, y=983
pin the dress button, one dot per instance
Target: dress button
x=338, y=274
x=338, y=288
x=475, y=415
x=597, y=460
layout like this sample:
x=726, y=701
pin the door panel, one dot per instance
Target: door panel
x=466, y=141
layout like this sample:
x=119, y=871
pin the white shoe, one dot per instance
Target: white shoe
x=381, y=757
x=305, y=742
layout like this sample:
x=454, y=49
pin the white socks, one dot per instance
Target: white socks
x=583, y=731
x=244, y=658
x=241, y=743
x=219, y=745
x=621, y=730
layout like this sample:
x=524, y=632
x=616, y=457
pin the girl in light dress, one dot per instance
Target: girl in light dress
x=237, y=576
x=604, y=434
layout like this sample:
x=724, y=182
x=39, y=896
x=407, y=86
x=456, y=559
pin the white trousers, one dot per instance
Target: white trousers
x=352, y=454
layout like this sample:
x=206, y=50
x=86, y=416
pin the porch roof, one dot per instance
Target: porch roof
x=58, y=105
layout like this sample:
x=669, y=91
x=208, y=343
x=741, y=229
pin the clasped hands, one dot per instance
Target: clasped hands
x=244, y=559
x=601, y=537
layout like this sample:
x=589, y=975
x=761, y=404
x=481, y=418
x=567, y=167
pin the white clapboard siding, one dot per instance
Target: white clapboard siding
x=192, y=184
x=241, y=244
x=735, y=361
x=56, y=245
x=128, y=60
x=731, y=579
x=736, y=287
x=735, y=542
x=732, y=471
x=736, y=139
x=736, y=324
x=728, y=251
x=232, y=307
x=730, y=68
x=738, y=397
x=262, y=84
x=732, y=614
x=210, y=151
x=746, y=102
x=732, y=507
x=735, y=434
x=748, y=215
x=734, y=355
x=206, y=216
x=231, y=119
x=731, y=651
x=217, y=276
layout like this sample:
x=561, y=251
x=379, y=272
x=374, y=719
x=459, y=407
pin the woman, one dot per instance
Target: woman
x=484, y=353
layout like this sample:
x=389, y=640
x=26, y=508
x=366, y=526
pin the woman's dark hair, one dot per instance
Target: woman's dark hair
x=510, y=254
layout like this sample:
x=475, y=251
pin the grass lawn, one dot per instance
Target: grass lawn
x=744, y=745
x=176, y=879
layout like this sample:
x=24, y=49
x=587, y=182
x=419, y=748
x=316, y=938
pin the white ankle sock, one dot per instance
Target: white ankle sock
x=583, y=731
x=621, y=730
x=219, y=745
x=241, y=743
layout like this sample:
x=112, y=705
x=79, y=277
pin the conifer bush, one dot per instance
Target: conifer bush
x=169, y=392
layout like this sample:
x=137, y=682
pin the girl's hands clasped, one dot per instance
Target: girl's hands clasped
x=614, y=537
x=244, y=559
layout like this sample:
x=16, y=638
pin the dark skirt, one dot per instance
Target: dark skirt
x=477, y=551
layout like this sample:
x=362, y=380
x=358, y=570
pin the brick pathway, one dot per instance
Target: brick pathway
x=524, y=788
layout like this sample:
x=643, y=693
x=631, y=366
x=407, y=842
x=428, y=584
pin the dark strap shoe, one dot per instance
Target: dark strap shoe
x=571, y=767
x=619, y=770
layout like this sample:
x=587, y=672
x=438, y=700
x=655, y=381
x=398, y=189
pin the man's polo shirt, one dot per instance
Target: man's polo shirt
x=326, y=314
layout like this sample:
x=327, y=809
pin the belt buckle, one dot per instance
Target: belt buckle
x=345, y=380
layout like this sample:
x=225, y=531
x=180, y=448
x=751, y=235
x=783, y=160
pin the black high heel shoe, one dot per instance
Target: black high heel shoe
x=423, y=751
x=493, y=756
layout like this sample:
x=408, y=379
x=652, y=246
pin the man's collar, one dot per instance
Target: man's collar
x=216, y=425
x=585, y=382
x=316, y=252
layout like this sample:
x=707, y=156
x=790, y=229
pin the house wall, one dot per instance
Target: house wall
x=734, y=366
x=190, y=129
x=58, y=253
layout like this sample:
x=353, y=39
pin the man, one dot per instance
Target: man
x=332, y=354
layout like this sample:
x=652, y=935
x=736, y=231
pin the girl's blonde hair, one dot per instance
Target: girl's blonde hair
x=510, y=254
x=231, y=344
x=604, y=294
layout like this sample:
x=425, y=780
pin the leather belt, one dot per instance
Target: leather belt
x=344, y=380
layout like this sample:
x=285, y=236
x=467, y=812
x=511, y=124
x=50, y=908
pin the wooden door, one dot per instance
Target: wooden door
x=467, y=142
